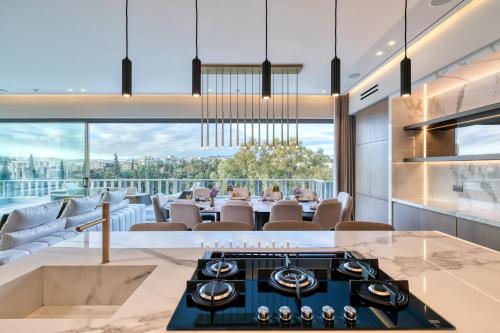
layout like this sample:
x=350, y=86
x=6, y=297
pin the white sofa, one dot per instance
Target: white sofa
x=31, y=229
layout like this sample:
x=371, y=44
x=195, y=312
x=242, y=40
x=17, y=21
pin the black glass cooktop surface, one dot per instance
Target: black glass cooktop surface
x=292, y=291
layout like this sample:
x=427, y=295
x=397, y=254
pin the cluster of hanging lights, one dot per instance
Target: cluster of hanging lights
x=266, y=69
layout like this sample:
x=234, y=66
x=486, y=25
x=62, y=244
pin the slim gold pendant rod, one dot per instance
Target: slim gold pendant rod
x=274, y=121
x=216, y=110
x=230, y=110
x=258, y=100
x=282, y=105
x=245, y=111
x=287, y=110
x=208, y=114
x=222, y=106
x=237, y=109
x=297, y=110
x=202, y=112
x=252, y=142
x=267, y=122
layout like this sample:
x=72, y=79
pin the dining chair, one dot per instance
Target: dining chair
x=240, y=193
x=222, y=226
x=291, y=226
x=287, y=202
x=329, y=200
x=307, y=194
x=159, y=226
x=363, y=226
x=285, y=212
x=237, y=213
x=327, y=214
x=187, y=213
x=201, y=193
x=159, y=203
x=237, y=203
x=269, y=194
x=346, y=200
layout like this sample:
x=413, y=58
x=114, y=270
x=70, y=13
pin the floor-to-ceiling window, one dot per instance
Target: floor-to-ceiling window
x=168, y=157
x=40, y=160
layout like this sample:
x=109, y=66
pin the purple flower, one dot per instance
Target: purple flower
x=297, y=191
x=213, y=192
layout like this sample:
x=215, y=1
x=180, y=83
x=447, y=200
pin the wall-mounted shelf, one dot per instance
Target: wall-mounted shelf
x=489, y=114
x=484, y=157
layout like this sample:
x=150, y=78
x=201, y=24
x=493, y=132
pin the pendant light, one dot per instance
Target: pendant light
x=196, y=70
x=335, y=65
x=406, y=64
x=266, y=72
x=126, y=63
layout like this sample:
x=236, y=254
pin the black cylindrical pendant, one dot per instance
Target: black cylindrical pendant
x=126, y=77
x=196, y=91
x=405, y=77
x=335, y=74
x=266, y=79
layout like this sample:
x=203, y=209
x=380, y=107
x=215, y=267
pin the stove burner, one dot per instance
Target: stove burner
x=354, y=268
x=293, y=280
x=214, y=293
x=382, y=293
x=378, y=289
x=227, y=268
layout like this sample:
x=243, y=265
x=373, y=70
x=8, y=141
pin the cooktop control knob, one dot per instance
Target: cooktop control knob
x=350, y=313
x=306, y=313
x=263, y=313
x=328, y=313
x=285, y=313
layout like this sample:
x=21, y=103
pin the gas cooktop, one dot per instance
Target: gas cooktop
x=291, y=291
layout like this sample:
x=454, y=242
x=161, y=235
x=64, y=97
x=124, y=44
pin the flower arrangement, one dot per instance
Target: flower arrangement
x=213, y=192
x=297, y=191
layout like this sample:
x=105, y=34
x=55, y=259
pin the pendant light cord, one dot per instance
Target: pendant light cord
x=196, y=9
x=266, y=29
x=335, y=28
x=126, y=28
x=406, y=24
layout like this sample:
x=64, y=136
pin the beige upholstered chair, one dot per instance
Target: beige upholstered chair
x=186, y=213
x=184, y=201
x=291, y=226
x=159, y=202
x=363, y=226
x=240, y=193
x=222, y=226
x=329, y=200
x=238, y=203
x=202, y=193
x=346, y=200
x=286, y=212
x=237, y=213
x=287, y=202
x=327, y=215
x=307, y=194
x=159, y=226
x=268, y=194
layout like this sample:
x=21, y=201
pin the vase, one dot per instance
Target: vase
x=212, y=202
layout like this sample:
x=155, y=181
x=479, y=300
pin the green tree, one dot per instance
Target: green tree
x=31, y=167
x=5, y=174
x=116, y=166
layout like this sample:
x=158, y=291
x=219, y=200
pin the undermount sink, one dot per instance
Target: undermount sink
x=62, y=292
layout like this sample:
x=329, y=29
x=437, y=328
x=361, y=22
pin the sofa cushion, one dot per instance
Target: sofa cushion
x=122, y=204
x=31, y=247
x=79, y=206
x=114, y=197
x=12, y=239
x=25, y=218
x=10, y=255
x=75, y=221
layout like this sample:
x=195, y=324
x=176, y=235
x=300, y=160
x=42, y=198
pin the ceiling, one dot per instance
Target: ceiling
x=76, y=46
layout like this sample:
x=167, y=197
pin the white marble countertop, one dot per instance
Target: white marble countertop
x=490, y=217
x=460, y=280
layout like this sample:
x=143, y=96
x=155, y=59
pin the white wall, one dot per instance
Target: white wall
x=139, y=106
x=472, y=28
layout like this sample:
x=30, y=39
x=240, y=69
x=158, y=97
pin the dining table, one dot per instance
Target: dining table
x=261, y=209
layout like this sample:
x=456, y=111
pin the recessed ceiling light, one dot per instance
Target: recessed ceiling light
x=69, y=90
x=391, y=43
x=379, y=53
x=436, y=3
x=354, y=75
x=83, y=90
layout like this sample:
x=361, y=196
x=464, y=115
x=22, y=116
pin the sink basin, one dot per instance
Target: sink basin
x=62, y=292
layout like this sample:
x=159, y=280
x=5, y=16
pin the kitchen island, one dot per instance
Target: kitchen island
x=142, y=285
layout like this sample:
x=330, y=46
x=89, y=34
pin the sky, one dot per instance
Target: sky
x=129, y=140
